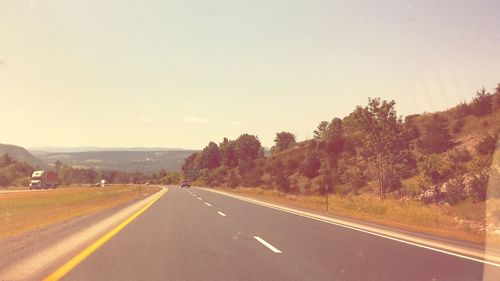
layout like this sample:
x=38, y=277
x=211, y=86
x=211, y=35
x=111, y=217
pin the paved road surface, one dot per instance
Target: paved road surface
x=198, y=235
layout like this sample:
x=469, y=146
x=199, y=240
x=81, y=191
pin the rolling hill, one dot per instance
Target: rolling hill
x=142, y=161
x=22, y=155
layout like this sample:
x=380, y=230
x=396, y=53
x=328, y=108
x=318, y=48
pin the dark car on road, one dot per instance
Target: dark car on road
x=185, y=183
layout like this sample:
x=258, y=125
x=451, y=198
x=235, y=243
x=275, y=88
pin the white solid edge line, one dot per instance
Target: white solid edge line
x=287, y=210
x=221, y=213
x=269, y=246
x=208, y=204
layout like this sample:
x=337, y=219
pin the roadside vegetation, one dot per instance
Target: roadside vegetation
x=21, y=212
x=438, y=163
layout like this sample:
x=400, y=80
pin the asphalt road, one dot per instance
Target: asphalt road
x=199, y=235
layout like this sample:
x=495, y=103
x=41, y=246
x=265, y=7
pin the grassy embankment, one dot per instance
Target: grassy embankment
x=447, y=221
x=24, y=211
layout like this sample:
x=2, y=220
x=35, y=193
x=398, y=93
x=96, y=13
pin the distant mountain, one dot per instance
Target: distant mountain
x=22, y=155
x=142, y=161
x=40, y=150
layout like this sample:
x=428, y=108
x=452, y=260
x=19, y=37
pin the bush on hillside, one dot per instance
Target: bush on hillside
x=434, y=167
x=487, y=145
x=459, y=155
x=462, y=110
x=478, y=185
x=454, y=191
x=457, y=126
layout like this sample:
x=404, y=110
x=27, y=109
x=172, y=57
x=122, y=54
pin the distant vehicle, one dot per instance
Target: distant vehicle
x=185, y=183
x=103, y=183
x=44, y=179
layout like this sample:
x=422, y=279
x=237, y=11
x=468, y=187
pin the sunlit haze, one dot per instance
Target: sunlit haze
x=183, y=73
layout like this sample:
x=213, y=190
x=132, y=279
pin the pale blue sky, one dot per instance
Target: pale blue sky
x=183, y=73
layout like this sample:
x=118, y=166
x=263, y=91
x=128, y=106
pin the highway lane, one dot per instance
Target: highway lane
x=199, y=235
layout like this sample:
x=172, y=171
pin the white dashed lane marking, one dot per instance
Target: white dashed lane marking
x=267, y=244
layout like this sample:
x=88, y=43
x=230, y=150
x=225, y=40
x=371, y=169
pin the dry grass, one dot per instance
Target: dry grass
x=24, y=211
x=409, y=215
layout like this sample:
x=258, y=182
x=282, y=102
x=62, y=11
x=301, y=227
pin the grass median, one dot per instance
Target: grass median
x=21, y=212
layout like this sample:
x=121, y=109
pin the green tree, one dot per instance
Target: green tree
x=497, y=97
x=482, y=103
x=279, y=177
x=384, y=140
x=190, y=166
x=310, y=166
x=247, y=148
x=211, y=156
x=283, y=141
x=436, y=137
x=228, y=154
x=333, y=137
x=410, y=126
x=318, y=133
x=58, y=164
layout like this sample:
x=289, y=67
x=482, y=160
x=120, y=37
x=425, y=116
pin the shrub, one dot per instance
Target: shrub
x=487, y=145
x=478, y=186
x=434, y=167
x=234, y=179
x=454, y=191
x=462, y=110
x=459, y=155
x=457, y=126
x=355, y=178
x=413, y=186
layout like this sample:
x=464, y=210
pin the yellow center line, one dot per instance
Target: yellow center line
x=67, y=267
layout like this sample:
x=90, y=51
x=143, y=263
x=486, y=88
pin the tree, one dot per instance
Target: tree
x=436, y=137
x=497, y=97
x=318, y=133
x=310, y=166
x=383, y=139
x=247, y=147
x=211, y=156
x=333, y=137
x=228, y=154
x=190, y=167
x=279, y=177
x=411, y=129
x=58, y=164
x=283, y=141
x=482, y=103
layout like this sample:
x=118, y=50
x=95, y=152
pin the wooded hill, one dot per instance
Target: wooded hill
x=433, y=157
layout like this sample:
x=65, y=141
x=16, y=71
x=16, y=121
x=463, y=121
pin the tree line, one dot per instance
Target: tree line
x=15, y=173
x=373, y=149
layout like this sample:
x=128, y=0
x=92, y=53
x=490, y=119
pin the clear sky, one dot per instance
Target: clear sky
x=183, y=73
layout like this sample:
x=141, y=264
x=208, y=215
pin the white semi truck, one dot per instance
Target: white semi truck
x=44, y=179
